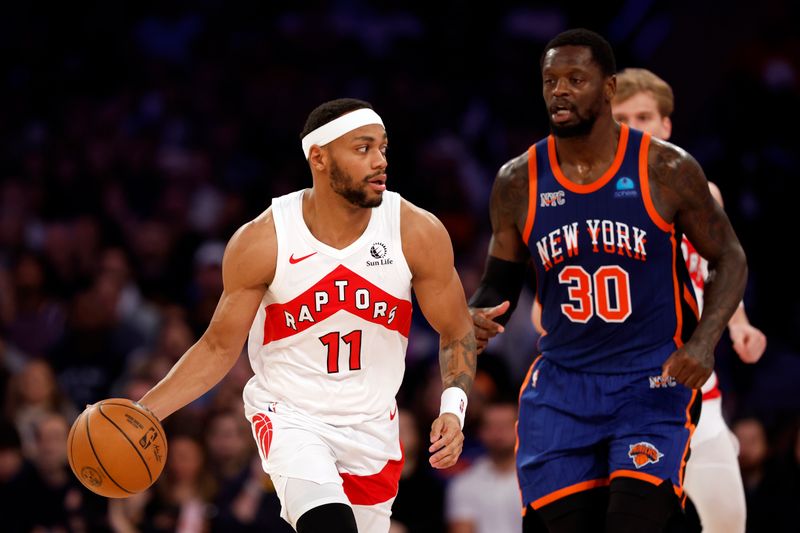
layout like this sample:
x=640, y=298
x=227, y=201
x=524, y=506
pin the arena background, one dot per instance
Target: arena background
x=137, y=137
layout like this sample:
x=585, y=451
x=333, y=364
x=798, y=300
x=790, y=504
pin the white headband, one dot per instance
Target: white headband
x=339, y=126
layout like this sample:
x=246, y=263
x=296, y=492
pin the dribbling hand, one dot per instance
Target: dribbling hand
x=484, y=324
x=447, y=441
x=689, y=365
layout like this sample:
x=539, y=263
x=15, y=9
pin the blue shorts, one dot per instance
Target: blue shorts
x=579, y=430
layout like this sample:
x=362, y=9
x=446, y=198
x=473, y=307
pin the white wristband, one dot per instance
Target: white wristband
x=454, y=400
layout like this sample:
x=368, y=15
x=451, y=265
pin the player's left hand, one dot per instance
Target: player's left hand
x=690, y=365
x=748, y=341
x=447, y=441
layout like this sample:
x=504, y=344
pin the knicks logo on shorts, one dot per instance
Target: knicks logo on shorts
x=643, y=454
x=262, y=426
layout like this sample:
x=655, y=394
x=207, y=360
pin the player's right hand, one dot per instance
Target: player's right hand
x=484, y=324
x=690, y=365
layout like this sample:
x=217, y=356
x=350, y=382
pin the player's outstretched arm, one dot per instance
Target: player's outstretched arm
x=429, y=253
x=681, y=189
x=506, y=264
x=749, y=342
x=247, y=268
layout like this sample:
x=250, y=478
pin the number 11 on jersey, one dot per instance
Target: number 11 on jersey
x=352, y=339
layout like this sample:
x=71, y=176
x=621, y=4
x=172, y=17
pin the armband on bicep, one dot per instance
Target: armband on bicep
x=502, y=280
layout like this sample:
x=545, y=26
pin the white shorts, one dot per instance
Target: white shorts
x=713, y=480
x=358, y=465
x=711, y=422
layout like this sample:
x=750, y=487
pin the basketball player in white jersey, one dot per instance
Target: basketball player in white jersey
x=322, y=282
x=713, y=481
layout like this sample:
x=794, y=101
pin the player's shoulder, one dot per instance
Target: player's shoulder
x=513, y=172
x=667, y=161
x=260, y=230
x=417, y=222
x=421, y=234
x=509, y=201
x=252, y=251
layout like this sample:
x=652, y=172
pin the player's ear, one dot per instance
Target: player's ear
x=610, y=88
x=317, y=158
x=667, y=124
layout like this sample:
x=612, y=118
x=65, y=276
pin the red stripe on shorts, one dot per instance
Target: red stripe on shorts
x=263, y=429
x=376, y=488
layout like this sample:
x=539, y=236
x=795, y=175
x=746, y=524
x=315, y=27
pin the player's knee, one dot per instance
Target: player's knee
x=729, y=520
x=636, y=506
x=328, y=518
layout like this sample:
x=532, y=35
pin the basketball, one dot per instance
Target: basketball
x=116, y=448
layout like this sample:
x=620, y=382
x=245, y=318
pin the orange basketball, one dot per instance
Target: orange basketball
x=116, y=448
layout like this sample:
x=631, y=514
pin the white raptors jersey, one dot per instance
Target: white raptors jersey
x=698, y=272
x=330, y=336
x=698, y=269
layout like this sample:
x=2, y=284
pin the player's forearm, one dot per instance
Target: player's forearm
x=723, y=293
x=201, y=367
x=458, y=359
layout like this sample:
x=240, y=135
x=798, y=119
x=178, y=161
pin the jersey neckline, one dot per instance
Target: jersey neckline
x=326, y=249
x=596, y=184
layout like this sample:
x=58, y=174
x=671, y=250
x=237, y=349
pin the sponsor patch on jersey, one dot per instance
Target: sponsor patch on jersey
x=379, y=251
x=643, y=453
x=625, y=188
x=552, y=199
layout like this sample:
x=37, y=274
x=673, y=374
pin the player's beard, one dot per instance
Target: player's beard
x=343, y=184
x=582, y=127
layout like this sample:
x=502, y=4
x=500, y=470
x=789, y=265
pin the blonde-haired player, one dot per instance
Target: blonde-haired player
x=713, y=481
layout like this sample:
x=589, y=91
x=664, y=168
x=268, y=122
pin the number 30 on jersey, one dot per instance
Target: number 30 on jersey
x=606, y=293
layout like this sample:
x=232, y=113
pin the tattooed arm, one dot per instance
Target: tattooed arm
x=681, y=194
x=429, y=253
x=503, y=277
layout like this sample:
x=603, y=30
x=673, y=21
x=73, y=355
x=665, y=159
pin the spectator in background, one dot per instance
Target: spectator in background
x=12, y=465
x=179, y=502
x=246, y=500
x=768, y=483
x=51, y=498
x=485, y=498
x=31, y=316
x=420, y=498
x=33, y=393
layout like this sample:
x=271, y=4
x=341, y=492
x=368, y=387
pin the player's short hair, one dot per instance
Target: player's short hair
x=330, y=110
x=632, y=81
x=602, y=54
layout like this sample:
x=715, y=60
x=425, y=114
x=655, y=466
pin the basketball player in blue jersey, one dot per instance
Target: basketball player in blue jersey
x=609, y=405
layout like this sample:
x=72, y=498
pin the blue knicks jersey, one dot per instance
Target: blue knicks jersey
x=610, y=275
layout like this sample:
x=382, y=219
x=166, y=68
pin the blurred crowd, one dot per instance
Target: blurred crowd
x=136, y=139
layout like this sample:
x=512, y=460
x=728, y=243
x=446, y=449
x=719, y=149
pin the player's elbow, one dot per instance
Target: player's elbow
x=220, y=350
